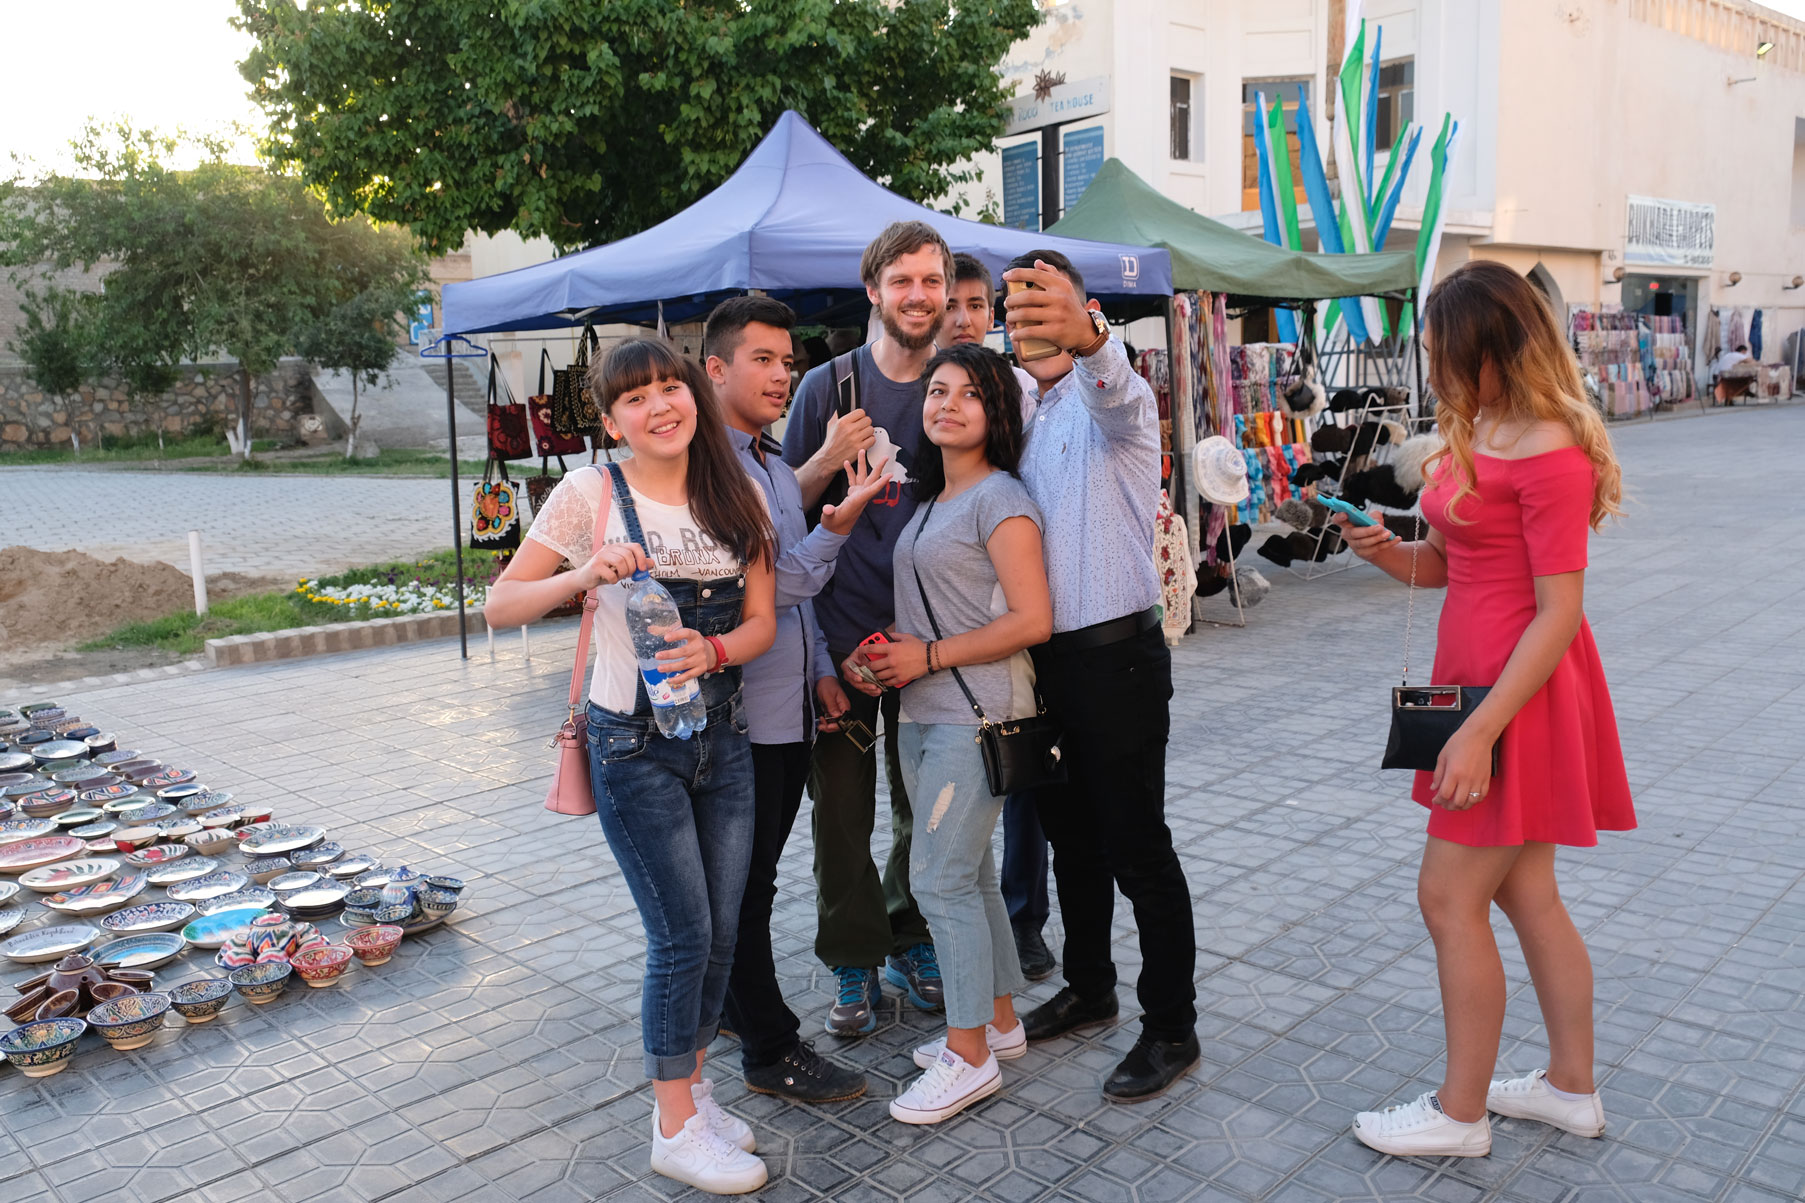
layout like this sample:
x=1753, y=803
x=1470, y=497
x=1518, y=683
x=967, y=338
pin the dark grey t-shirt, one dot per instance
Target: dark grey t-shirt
x=961, y=581
x=857, y=601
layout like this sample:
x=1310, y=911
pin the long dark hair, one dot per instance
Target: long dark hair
x=721, y=496
x=1002, y=397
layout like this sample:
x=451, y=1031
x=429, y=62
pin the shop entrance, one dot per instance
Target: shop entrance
x=1667, y=311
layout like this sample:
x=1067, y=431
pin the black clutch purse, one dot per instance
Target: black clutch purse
x=1425, y=717
x=1019, y=754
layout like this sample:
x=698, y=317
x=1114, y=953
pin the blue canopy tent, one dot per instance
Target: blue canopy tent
x=791, y=222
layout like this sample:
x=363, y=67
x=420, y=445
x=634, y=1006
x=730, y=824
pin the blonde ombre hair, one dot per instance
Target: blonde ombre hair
x=1484, y=312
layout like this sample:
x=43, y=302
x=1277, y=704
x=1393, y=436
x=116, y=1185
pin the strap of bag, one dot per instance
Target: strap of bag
x=545, y=361
x=494, y=371
x=1410, y=612
x=845, y=397
x=590, y=600
x=976, y=709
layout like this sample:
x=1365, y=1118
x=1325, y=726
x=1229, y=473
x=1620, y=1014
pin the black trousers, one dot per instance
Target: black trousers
x=1024, y=872
x=1107, y=824
x=754, y=1008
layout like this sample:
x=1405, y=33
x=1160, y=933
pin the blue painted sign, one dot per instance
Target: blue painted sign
x=421, y=322
x=1021, y=185
x=1083, y=158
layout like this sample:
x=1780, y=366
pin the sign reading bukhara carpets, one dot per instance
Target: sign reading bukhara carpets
x=1670, y=233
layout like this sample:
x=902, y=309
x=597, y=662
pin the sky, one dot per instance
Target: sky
x=164, y=64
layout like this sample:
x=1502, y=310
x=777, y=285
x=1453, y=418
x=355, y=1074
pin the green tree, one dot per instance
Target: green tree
x=587, y=122
x=59, y=341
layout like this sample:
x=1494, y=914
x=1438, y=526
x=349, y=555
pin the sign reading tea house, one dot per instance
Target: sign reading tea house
x=1063, y=103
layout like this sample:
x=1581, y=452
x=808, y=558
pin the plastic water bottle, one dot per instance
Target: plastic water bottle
x=678, y=708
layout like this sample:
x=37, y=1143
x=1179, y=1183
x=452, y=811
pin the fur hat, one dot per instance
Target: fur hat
x=1294, y=511
x=1304, y=399
x=1233, y=538
x=1406, y=526
x=1380, y=484
x=1277, y=548
x=1344, y=400
x=1250, y=587
x=1209, y=584
x=1394, y=432
x=1409, y=458
x=1330, y=437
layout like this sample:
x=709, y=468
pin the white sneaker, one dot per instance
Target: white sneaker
x=726, y=1126
x=1533, y=1098
x=1419, y=1129
x=702, y=1158
x=949, y=1086
x=1006, y=1045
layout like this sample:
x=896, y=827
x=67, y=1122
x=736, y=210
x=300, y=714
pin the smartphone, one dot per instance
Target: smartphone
x=1360, y=517
x=1030, y=349
x=864, y=670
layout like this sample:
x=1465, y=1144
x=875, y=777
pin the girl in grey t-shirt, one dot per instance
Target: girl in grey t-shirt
x=973, y=548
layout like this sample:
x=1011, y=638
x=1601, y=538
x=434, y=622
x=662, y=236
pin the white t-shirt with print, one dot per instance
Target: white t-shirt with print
x=679, y=548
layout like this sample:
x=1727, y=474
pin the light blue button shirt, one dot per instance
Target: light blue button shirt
x=1091, y=463
x=779, y=686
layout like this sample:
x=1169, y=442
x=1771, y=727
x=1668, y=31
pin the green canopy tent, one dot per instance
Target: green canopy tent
x=1207, y=256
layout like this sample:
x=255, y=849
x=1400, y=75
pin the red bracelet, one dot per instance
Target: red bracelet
x=720, y=653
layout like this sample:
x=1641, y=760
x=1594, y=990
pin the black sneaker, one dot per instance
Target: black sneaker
x=1037, y=959
x=805, y=1076
x=1150, y=1069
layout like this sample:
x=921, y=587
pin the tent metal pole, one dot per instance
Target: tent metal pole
x=457, y=509
x=1416, y=346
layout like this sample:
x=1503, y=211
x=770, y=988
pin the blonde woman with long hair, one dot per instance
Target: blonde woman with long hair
x=1526, y=474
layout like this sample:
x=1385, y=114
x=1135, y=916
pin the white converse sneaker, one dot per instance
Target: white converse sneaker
x=702, y=1158
x=949, y=1086
x=1533, y=1098
x=726, y=1126
x=1006, y=1045
x=1419, y=1129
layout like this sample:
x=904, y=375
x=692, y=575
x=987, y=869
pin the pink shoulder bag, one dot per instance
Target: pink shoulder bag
x=571, y=792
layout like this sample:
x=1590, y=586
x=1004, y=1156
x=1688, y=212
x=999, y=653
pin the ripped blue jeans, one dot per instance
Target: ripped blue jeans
x=952, y=868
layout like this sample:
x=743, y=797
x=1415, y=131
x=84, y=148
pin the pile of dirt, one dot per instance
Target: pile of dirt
x=62, y=597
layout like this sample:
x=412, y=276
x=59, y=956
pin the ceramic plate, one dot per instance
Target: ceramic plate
x=181, y=795
x=7, y=890
x=279, y=838
x=49, y=943
x=140, y=952
x=81, y=816
x=214, y=930
x=14, y=830
x=151, y=916
x=98, y=897
x=177, y=826
x=21, y=855
x=101, y=795
x=171, y=873
x=93, y=831
x=213, y=885
x=351, y=866
x=251, y=896
x=316, y=858
x=158, y=855
x=145, y=811
x=167, y=778
x=302, y=880
x=53, y=879
x=316, y=897
x=59, y=749
x=85, y=777
x=222, y=816
x=117, y=756
x=10, y=918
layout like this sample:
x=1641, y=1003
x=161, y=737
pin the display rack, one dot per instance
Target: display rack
x=1606, y=341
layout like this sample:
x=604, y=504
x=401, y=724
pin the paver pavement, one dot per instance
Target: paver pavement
x=497, y=1058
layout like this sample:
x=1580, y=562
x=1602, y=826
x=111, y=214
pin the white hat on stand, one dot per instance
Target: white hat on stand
x=1220, y=471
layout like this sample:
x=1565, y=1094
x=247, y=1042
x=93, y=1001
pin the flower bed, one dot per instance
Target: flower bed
x=429, y=585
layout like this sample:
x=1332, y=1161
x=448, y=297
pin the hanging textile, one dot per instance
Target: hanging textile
x=1178, y=578
x=1755, y=335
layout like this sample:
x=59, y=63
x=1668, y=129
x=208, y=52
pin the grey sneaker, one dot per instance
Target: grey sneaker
x=917, y=970
x=854, y=1012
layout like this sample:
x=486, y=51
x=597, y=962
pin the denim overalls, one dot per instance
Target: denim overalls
x=678, y=815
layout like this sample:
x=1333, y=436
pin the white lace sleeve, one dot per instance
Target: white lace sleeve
x=566, y=522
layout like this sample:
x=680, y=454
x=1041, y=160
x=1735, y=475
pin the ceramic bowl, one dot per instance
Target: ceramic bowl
x=400, y=913
x=57, y=1005
x=81, y=816
x=374, y=945
x=46, y=803
x=436, y=903
x=159, y=855
x=177, y=827
x=266, y=869
x=210, y=843
x=454, y=884
x=262, y=982
x=131, y=1021
x=321, y=966
x=41, y=1049
x=200, y=1000
x=108, y=991
x=348, y=867
x=181, y=795
x=317, y=858
x=364, y=898
x=356, y=916
x=131, y=839
x=100, y=743
x=117, y=756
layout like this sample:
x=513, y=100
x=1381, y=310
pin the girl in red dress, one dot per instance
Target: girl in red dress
x=1526, y=474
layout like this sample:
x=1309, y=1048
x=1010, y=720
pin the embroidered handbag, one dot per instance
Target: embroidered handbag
x=574, y=412
x=494, y=511
x=539, y=408
x=507, y=421
x=1018, y=754
x=571, y=792
x=1425, y=717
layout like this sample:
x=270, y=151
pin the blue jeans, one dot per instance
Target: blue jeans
x=678, y=814
x=954, y=870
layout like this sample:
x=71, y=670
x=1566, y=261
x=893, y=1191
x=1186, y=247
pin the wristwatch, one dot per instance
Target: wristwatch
x=1102, y=326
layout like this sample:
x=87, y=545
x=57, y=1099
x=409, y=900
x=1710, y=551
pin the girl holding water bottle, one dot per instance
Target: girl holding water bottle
x=672, y=772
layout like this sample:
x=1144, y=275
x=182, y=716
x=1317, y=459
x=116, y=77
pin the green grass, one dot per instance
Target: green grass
x=142, y=451
x=399, y=462
x=186, y=633
x=130, y=449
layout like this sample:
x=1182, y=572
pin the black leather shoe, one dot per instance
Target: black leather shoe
x=805, y=1076
x=1036, y=958
x=1150, y=1069
x=1067, y=1012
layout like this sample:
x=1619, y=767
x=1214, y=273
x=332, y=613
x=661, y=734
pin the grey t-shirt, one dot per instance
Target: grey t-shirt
x=962, y=583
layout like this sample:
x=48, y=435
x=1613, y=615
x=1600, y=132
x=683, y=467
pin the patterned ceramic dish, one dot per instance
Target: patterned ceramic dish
x=132, y=1021
x=43, y=1048
x=17, y=762
x=101, y=742
x=436, y=903
x=145, y=812
x=81, y=816
x=49, y=943
x=454, y=884
x=98, y=897
x=7, y=890
x=118, y=756
x=59, y=749
x=46, y=803
x=318, y=858
x=10, y=918
x=148, y=917
x=153, y=856
x=189, y=868
x=266, y=869
x=149, y=951
x=100, y=795
x=399, y=914
x=177, y=827
x=167, y=778
x=21, y=855
x=352, y=866
x=201, y=999
x=136, y=771
x=93, y=831
x=288, y=883
x=131, y=839
x=222, y=816
x=85, y=777
x=254, y=897
x=54, y=879
x=374, y=945
x=12, y=831
x=262, y=982
x=210, y=842
x=213, y=885
x=277, y=839
x=214, y=930
x=321, y=966
x=181, y=795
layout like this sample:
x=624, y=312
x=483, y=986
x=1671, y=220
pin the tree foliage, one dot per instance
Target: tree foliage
x=585, y=122
x=59, y=340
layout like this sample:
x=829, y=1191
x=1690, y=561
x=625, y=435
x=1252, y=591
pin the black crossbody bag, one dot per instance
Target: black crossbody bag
x=1425, y=717
x=1019, y=754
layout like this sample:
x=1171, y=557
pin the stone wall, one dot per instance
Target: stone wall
x=30, y=417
